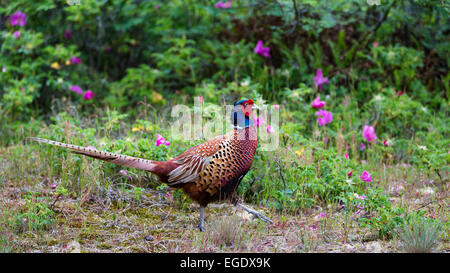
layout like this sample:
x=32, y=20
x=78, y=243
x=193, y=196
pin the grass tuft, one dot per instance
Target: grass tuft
x=420, y=235
x=226, y=231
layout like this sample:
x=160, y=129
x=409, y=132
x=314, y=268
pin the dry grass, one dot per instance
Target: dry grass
x=226, y=231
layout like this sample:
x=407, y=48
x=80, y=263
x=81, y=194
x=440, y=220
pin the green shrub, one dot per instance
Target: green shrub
x=37, y=215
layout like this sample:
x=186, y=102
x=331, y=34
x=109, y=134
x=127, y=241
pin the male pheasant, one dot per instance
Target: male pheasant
x=208, y=172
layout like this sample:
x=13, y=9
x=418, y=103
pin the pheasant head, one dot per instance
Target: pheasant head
x=243, y=110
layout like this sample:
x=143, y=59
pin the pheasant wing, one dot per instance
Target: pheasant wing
x=194, y=161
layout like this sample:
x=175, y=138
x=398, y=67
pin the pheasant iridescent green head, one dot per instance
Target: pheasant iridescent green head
x=242, y=113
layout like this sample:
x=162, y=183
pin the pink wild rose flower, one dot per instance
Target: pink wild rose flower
x=224, y=5
x=258, y=121
x=88, y=95
x=160, y=140
x=317, y=103
x=319, y=79
x=76, y=89
x=366, y=177
x=362, y=147
x=75, y=60
x=263, y=51
x=324, y=117
x=18, y=19
x=369, y=133
x=67, y=34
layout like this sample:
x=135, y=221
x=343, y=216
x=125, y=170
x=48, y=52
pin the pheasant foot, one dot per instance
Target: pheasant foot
x=255, y=213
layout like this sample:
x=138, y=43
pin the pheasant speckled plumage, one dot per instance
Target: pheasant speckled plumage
x=227, y=159
x=208, y=172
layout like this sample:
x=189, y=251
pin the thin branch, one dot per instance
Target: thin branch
x=294, y=2
x=281, y=173
x=280, y=6
x=374, y=29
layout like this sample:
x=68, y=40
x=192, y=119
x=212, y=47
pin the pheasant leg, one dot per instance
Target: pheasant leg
x=201, y=226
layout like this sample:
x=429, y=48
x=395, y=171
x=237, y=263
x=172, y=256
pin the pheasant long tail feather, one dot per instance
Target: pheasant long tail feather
x=119, y=159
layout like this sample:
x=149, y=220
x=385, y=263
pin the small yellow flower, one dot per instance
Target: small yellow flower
x=300, y=152
x=68, y=62
x=55, y=65
x=157, y=97
x=136, y=129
